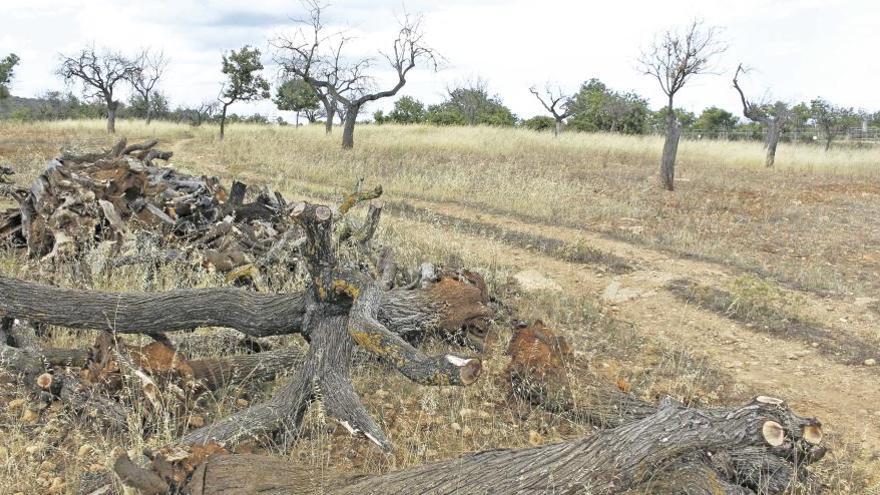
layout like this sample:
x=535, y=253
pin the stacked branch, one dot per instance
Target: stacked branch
x=353, y=300
x=83, y=199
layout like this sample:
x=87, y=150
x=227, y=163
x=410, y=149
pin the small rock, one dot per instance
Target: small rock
x=47, y=466
x=241, y=403
x=196, y=421
x=33, y=449
x=84, y=450
x=815, y=344
x=870, y=362
x=455, y=427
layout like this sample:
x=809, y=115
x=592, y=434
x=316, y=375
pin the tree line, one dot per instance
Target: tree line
x=319, y=80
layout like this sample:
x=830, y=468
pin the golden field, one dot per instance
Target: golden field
x=794, y=243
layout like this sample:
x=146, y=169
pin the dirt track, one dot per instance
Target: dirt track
x=839, y=394
x=844, y=396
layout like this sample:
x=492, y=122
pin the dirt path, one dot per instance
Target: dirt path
x=845, y=397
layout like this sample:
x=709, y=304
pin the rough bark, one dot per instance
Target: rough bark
x=670, y=150
x=223, y=120
x=675, y=447
x=348, y=127
x=112, y=106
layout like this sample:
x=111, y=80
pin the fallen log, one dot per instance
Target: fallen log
x=675, y=450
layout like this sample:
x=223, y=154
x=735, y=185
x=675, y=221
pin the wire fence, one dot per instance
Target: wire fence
x=855, y=136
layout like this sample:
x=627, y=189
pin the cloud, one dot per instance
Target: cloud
x=799, y=48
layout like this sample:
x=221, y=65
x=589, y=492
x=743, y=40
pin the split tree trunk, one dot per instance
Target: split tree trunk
x=557, y=130
x=670, y=150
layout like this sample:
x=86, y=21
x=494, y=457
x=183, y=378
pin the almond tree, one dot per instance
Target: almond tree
x=99, y=74
x=556, y=103
x=151, y=68
x=318, y=58
x=673, y=59
x=770, y=116
x=244, y=83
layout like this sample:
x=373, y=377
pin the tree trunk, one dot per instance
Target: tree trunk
x=670, y=149
x=330, y=110
x=223, y=121
x=772, y=141
x=149, y=108
x=731, y=449
x=351, y=114
x=557, y=130
x=296, y=122
x=112, y=106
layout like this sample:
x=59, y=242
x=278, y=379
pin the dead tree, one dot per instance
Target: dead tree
x=673, y=59
x=762, y=447
x=318, y=59
x=771, y=118
x=150, y=68
x=99, y=74
x=557, y=104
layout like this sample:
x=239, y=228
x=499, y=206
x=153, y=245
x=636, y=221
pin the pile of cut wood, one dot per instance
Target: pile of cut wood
x=84, y=199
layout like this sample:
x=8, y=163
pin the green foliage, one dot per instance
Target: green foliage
x=595, y=107
x=296, y=95
x=379, y=117
x=7, y=66
x=444, y=115
x=657, y=120
x=244, y=82
x=832, y=120
x=714, y=119
x=471, y=106
x=540, y=123
x=407, y=110
x=137, y=106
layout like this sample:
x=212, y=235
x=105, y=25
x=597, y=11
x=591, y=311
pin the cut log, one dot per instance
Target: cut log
x=675, y=450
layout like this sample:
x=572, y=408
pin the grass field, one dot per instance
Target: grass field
x=494, y=199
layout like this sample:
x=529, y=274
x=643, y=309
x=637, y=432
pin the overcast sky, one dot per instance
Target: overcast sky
x=799, y=49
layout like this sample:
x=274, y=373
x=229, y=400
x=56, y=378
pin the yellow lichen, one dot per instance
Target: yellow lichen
x=341, y=286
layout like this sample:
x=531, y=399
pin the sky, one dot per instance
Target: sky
x=797, y=49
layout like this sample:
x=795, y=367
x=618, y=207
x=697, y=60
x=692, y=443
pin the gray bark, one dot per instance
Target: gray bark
x=112, y=106
x=670, y=150
x=348, y=128
x=772, y=125
x=675, y=450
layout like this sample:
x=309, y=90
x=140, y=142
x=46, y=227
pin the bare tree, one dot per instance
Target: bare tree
x=318, y=58
x=673, y=59
x=770, y=116
x=99, y=74
x=555, y=102
x=150, y=68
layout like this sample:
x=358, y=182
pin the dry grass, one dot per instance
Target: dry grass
x=799, y=222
